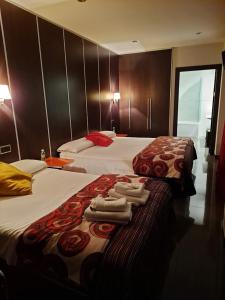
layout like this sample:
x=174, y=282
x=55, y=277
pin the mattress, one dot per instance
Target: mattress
x=116, y=158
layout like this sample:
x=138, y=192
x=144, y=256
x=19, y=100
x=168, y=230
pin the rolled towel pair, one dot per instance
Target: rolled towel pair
x=109, y=204
x=121, y=217
x=130, y=189
x=141, y=200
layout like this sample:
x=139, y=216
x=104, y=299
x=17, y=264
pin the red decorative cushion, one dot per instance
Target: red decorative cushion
x=99, y=139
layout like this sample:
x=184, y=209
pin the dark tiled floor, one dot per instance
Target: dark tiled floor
x=197, y=265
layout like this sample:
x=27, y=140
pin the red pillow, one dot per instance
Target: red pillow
x=99, y=139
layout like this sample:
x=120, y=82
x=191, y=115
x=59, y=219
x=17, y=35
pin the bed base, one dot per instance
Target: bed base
x=26, y=283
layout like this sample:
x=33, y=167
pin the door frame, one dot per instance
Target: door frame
x=215, y=105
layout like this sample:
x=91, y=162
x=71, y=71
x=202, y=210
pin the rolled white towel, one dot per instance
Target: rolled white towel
x=122, y=217
x=131, y=189
x=109, y=204
x=134, y=200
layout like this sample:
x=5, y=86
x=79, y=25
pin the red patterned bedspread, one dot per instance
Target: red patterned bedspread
x=163, y=158
x=76, y=249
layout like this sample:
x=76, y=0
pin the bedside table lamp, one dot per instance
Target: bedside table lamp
x=4, y=93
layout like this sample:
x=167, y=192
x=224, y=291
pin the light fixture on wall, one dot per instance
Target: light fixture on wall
x=4, y=93
x=116, y=97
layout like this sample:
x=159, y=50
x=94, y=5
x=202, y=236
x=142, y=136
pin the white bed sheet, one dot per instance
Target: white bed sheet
x=116, y=158
x=50, y=189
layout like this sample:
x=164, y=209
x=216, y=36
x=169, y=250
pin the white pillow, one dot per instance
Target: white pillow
x=30, y=165
x=76, y=146
x=109, y=133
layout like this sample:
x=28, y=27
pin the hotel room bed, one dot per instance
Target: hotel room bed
x=119, y=156
x=46, y=230
x=116, y=158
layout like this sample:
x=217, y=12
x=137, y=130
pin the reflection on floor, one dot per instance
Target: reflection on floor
x=197, y=265
x=197, y=202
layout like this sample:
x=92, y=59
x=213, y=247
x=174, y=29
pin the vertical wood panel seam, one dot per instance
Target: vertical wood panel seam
x=43, y=86
x=9, y=82
x=99, y=91
x=85, y=86
x=111, y=120
x=67, y=85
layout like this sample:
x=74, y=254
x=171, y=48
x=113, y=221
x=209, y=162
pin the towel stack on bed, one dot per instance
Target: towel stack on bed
x=110, y=209
x=134, y=192
x=117, y=207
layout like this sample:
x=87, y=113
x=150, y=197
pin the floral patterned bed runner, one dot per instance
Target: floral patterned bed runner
x=163, y=158
x=63, y=238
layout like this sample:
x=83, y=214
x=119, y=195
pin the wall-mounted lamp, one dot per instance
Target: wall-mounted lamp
x=4, y=93
x=116, y=97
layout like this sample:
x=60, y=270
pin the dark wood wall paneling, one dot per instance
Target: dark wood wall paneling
x=114, y=77
x=141, y=91
x=105, y=95
x=75, y=67
x=21, y=38
x=54, y=70
x=160, y=90
x=7, y=128
x=125, y=70
x=26, y=80
x=145, y=76
x=92, y=85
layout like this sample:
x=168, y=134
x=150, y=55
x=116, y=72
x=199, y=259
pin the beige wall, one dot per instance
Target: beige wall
x=194, y=56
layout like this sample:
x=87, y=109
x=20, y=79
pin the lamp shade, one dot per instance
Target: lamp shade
x=116, y=96
x=4, y=92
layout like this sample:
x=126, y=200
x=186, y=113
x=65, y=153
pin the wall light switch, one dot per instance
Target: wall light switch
x=5, y=149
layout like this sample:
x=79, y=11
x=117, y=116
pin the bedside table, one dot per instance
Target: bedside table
x=57, y=162
x=121, y=135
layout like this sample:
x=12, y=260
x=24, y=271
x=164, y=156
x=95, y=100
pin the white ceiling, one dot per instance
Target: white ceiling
x=155, y=24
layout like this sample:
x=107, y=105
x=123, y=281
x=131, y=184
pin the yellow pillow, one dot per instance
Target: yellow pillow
x=14, y=182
